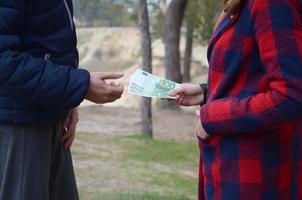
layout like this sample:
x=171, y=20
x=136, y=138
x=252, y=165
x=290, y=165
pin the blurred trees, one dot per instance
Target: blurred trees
x=192, y=19
x=89, y=13
x=202, y=13
x=200, y=18
x=146, y=109
x=174, y=19
x=112, y=13
x=169, y=20
x=173, y=23
x=209, y=11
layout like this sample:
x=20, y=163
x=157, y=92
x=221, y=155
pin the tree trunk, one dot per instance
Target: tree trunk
x=174, y=21
x=146, y=109
x=188, y=53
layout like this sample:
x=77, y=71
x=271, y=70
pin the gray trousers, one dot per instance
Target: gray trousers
x=34, y=164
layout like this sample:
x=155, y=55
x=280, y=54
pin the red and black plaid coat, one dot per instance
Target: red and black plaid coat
x=254, y=109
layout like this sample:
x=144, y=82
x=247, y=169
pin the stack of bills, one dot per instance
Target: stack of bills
x=148, y=85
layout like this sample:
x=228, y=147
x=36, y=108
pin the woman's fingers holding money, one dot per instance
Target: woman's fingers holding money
x=188, y=94
x=177, y=92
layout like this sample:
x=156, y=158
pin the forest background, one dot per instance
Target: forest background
x=139, y=148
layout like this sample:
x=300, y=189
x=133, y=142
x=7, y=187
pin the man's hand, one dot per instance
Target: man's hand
x=188, y=94
x=69, y=126
x=100, y=92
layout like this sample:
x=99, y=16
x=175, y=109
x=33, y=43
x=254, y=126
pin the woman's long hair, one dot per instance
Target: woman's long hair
x=231, y=7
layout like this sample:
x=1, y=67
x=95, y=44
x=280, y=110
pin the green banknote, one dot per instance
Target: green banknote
x=148, y=85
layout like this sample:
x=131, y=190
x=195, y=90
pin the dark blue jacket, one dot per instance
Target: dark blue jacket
x=39, y=82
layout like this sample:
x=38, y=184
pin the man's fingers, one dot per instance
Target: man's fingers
x=112, y=98
x=69, y=142
x=110, y=75
x=113, y=84
x=121, y=87
x=66, y=122
x=71, y=131
x=71, y=126
x=115, y=91
x=67, y=135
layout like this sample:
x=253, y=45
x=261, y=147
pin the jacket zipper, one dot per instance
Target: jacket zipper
x=69, y=14
x=76, y=62
x=47, y=56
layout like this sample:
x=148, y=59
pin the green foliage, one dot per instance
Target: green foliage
x=209, y=14
x=193, y=14
x=201, y=15
x=158, y=16
x=105, y=12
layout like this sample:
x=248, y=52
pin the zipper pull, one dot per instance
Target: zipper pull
x=47, y=56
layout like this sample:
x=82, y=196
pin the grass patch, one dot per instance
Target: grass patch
x=167, y=152
x=129, y=196
x=135, y=168
x=186, y=185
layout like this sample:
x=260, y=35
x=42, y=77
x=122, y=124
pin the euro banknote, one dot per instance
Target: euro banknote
x=145, y=84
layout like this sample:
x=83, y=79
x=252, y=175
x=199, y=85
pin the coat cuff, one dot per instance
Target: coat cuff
x=82, y=79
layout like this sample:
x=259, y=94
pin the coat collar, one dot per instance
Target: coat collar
x=222, y=25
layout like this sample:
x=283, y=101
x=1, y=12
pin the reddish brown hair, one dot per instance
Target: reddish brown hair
x=231, y=7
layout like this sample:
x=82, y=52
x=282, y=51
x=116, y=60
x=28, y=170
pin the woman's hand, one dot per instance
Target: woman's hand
x=69, y=127
x=188, y=94
x=200, y=131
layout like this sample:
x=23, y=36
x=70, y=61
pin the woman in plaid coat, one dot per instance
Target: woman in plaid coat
x=250, y=135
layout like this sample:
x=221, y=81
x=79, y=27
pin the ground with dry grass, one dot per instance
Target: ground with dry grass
x=167, y=125
x=134, y=168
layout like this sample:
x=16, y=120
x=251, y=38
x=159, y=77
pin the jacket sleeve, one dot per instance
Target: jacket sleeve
x=35, y=80
x=278, y=33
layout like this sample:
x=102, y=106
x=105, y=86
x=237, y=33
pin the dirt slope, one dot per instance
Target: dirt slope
x=112, y=49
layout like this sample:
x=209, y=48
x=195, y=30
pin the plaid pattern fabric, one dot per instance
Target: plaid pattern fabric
x=254, y=109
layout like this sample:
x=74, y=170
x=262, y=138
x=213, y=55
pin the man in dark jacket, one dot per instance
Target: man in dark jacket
x=40, y=87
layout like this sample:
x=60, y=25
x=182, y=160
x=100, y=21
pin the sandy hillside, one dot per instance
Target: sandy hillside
x=108, y=49
x=111, y=49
